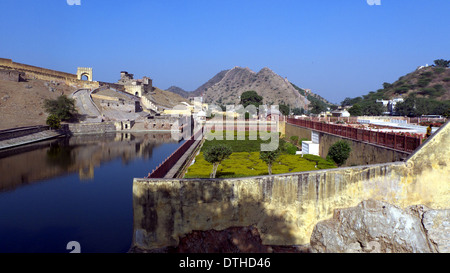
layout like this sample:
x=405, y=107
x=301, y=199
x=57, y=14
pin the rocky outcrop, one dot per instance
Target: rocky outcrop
x=375, y=226
x=436, y=224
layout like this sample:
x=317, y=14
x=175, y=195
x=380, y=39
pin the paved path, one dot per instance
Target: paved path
x=86, y=106
x=9, y=143
x=180, y=163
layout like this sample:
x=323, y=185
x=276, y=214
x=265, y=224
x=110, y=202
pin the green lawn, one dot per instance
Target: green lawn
x=238, y=145
x=244, y=161
x=241, y=164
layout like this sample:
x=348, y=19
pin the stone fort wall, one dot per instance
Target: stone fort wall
x=285, y=208
x=34, y=72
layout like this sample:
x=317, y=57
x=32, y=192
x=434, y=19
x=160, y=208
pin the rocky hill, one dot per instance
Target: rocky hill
x=425, y=91
x=227, y=86
x=214, y=80
x=179, y=91
x=166, y=99
x=430, y=82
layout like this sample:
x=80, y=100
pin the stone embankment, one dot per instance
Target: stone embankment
x=22, y=136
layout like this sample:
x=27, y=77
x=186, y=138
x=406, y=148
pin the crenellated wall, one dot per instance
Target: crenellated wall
x=285, y=208
x=34, y=72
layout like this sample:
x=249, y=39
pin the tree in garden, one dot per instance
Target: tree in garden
x=215, y=155
x=53, y=121
x=339, y=152
x=63, y=107
x=269, y=157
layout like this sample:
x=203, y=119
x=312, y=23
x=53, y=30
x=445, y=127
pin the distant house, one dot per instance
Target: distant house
x=390, y=105
x=340, y=113
x=273, y=113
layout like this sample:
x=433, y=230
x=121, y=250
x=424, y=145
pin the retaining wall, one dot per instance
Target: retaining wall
x=362, y=153
x=92, y=128
x=22, y=131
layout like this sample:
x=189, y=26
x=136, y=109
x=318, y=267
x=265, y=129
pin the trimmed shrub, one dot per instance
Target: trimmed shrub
x=290, y=149
x=294, y=139
x=339, y=152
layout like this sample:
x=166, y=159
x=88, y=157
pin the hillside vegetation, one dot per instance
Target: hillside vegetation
x=426, y=91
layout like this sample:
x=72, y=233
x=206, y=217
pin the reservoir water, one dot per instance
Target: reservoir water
x=75, y=188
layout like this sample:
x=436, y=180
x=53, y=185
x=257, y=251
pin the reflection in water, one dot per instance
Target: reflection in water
x=60, y=154
x=76, y=154
x=55, y=208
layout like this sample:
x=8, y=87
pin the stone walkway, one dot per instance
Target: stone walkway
x=86, y=106
x=180, y=163
x=9, y=143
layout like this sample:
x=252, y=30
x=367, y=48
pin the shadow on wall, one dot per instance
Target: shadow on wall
x=207, y=216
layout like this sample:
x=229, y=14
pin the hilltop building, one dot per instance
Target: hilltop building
x=137, y=87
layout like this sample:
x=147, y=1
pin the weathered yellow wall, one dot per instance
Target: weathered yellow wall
x=285, y=208
x=282, y=128
x=103, y=97
x=133, y=89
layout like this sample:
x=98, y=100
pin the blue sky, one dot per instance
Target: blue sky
x=337, y=48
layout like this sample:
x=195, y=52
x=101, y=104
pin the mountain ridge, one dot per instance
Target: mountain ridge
x=227, y=86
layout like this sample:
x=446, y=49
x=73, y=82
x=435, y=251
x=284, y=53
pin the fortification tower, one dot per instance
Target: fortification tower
x=84, y=71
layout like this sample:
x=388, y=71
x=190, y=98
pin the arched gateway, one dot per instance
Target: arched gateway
x=84, y=71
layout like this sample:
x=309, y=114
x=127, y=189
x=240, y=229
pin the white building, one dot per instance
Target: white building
x=340, y=113
x=390, y=105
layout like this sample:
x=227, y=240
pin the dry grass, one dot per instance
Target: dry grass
x=21, y=103
x=166, y=98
